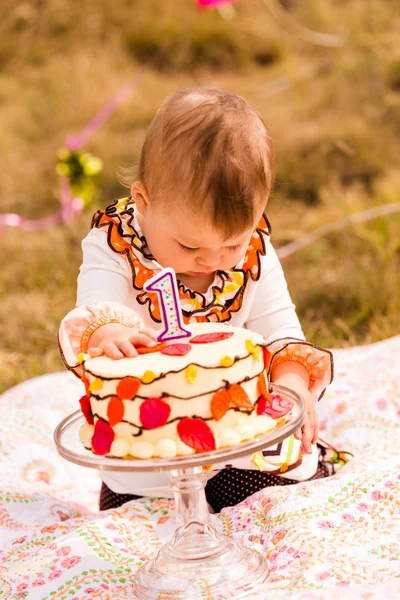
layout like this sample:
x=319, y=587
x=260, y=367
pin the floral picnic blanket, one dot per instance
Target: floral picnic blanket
x=329, y=539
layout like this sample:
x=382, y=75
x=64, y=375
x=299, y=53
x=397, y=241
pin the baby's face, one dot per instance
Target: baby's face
x=189, y=244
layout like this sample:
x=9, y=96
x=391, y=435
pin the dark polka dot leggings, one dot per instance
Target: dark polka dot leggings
x=229, y=487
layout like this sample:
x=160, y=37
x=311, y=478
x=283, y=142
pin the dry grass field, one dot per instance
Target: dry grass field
x=333, y=112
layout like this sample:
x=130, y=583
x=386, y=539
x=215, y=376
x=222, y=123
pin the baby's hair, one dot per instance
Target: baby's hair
x=209, y=148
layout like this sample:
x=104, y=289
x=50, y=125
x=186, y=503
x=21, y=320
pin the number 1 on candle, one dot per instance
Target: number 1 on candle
x=165, y=286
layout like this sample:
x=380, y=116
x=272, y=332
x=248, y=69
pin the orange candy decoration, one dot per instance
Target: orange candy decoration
x=239, y=398
x=128, y=388
x=86, y=384
x=220, y=404
x=150, y=349
x=115, y=410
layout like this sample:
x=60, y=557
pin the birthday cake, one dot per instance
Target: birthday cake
x=206, y=392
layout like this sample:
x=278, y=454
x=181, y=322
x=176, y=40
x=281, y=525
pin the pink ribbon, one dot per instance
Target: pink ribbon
x=71, y=206
x=208, y=3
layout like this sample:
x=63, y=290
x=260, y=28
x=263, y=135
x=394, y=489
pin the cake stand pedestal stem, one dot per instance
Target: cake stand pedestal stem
x=198, y=555
x=190, y=499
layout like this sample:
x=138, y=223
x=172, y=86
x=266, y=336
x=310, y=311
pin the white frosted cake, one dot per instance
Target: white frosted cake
x=208, y=391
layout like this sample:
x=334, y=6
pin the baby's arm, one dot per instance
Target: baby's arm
x=294, y=363
x=102, y=322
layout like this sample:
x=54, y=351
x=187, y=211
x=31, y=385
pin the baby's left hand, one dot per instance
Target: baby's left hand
x=309, y=431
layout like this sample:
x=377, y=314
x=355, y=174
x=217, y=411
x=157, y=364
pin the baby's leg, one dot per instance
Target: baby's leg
x=110, y=499
x=231, y=486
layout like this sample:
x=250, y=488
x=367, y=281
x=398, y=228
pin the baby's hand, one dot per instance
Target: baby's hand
x=309, y=431
x=117, y=341
x=289, y=375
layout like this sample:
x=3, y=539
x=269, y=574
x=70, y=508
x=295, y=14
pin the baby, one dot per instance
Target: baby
x=198, y=206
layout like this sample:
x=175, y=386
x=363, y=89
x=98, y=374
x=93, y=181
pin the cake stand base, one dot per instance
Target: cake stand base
x=198, y=558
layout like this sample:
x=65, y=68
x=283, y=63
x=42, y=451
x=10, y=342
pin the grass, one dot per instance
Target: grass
x=334, y=114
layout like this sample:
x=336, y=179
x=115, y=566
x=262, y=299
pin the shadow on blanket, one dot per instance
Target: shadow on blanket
x=319, y=536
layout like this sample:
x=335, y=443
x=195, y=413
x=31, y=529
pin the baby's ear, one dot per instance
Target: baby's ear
x=141, y=197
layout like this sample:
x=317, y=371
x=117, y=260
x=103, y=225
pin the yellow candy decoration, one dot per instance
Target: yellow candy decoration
x=257, y=354
x=191, y=373
x=81, y=357
x=253, y=349
x=226, y=361
x=148, y=377
x=250, y=346
x=259, y=461
x=96, y=385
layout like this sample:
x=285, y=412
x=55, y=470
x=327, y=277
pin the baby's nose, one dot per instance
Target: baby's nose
x=209, y=260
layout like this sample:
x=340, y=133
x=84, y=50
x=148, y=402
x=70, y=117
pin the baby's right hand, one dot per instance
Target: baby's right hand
x=117, y=341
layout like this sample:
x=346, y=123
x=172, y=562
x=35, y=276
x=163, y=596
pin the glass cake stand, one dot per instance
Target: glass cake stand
x=198, y=558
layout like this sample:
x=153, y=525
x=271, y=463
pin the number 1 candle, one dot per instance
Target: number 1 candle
x=165, y=285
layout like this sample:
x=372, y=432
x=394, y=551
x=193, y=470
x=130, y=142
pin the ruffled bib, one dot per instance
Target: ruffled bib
x=224, y=296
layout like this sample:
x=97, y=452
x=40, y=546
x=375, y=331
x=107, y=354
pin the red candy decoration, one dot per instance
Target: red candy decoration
x=274, y=407
x=267, y=357
x=115, y=410
x=86, y=409
x=176, y=349
x=262, y=386
x=195, y=433
x=208, y=338
x=102, y=438
x=154, y=413
x=128, y=388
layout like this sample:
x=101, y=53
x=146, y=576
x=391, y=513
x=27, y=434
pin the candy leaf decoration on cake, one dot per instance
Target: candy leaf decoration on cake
x=148, y=376
x=257, y=354
x=154, y=413
x=86, y=409
x=239, y=397
x=267, y=358
x=209, y=338
x=115, y=410
x=176, y=349
x=254, y=350
x=96, y=385
x=220, y=404
x=251, y=347
x=226, y=361
x=150, y=349
x=275, y=406
x=86, y=383
x=195, y=433
x=262, y=386
x=102, y=438
x=128, y=387
x=191, y=373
